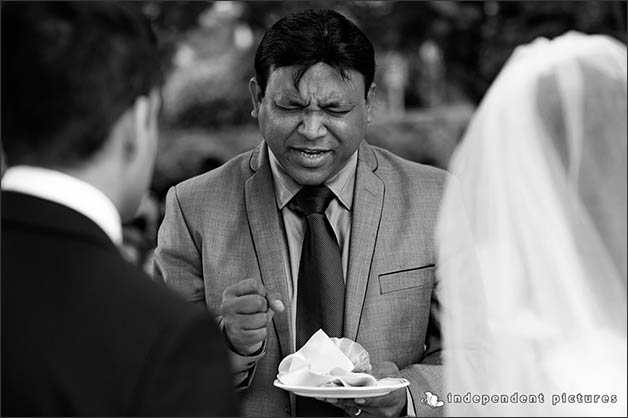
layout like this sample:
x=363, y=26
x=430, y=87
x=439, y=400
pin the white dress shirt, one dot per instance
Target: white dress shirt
x=68, y=191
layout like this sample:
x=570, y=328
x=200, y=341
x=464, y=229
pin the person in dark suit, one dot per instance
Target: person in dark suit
x=84, y=333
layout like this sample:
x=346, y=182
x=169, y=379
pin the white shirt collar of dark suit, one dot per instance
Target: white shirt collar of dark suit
x=68, y=191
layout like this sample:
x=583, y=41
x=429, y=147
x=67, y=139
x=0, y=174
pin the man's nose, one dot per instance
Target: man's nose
x=312, y=125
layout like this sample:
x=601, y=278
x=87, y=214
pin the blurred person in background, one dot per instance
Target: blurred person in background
x=84, y=333
x=314, y=228
x=542, y=169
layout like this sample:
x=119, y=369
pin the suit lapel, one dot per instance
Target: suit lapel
x=368, y=202
x=268, y=241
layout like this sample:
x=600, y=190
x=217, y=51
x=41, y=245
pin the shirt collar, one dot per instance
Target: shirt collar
x=340, y=184
x=68, y=191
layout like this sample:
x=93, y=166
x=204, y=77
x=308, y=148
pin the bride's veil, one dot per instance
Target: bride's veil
x=541, y=184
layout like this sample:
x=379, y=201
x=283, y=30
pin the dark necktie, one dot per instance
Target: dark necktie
x=320, y=287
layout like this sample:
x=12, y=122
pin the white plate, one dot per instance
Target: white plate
x=384, y=386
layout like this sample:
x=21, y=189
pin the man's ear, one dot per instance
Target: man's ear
x=370, y=96
x=141, y=113
x=256, y=96
x=146, y=110
x=139, y=129
x=136, y=126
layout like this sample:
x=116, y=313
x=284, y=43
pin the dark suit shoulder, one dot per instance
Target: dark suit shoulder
x=186, y=346
x=74, y=311
x=157, y=301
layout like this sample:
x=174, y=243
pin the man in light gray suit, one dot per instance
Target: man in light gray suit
x=233, y=240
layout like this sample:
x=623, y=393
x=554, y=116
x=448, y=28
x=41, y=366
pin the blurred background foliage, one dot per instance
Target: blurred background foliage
x=435, y=60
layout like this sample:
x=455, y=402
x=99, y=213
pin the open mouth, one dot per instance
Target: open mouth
x=312, y=157
x=312, y=154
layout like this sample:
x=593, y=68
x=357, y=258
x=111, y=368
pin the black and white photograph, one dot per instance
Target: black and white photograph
x=313, y=208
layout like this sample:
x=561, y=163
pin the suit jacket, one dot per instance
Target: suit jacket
x=84, y=333
x=224, y=226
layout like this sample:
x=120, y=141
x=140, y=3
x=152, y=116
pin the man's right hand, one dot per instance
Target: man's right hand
x=247, y=309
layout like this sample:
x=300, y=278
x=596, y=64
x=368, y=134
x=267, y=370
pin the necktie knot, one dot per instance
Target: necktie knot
x=312, y=199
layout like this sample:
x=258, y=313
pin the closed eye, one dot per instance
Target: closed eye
x=337, y=112
x=289, y=108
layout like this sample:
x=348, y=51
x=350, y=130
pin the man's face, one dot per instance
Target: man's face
x=313, y=130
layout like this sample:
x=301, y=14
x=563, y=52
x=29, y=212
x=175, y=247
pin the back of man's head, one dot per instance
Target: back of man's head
x=305, y=38
x=69, y=71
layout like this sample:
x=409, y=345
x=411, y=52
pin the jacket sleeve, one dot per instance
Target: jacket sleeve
x=178, y=261
x=178, y=264
x=427, y=376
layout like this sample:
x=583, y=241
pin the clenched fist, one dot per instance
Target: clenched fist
x=247, y=309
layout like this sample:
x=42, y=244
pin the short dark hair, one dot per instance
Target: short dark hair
x=69, y=71
x=305, y=38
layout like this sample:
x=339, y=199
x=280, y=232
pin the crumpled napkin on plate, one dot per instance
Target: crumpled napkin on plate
x=321, y=363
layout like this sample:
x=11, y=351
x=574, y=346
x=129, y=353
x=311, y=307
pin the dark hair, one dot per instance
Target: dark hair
x=306, y=38
x=69, y=71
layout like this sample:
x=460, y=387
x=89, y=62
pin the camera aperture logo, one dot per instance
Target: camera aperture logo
x=432, y=400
